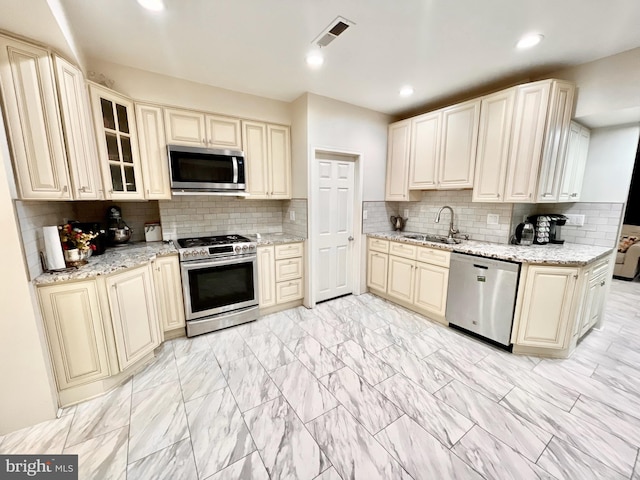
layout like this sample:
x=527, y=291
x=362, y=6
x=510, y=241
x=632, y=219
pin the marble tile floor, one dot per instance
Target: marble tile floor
x=361, y=389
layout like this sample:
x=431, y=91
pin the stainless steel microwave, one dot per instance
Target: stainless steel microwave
x=196, y=170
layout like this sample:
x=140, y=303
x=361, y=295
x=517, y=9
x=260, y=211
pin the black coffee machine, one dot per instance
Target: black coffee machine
x=556, y=222
x=548, y=228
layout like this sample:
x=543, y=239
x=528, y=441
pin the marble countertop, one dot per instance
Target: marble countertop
x=566, y=254
x=114, y=259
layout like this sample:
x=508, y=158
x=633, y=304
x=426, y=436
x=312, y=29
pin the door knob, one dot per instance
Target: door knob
x=350, y=238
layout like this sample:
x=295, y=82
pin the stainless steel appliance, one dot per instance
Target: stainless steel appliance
x=199, y=171
x=482, y=296
x=219, y=282
x=118, y=231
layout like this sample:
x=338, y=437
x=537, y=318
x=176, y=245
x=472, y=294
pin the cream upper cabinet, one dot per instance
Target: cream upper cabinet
x=186, y=127
x=266, y=276
x=555, y=144
x=223, y=132
x=257, y=163
x=133, y=312
x=424, y=157
x=279, y=150
x=153, y=152
x=33, y=122
x=79, y=134
x=74, y=324
x=267, y=150
x=168, y=289
x=458, y=145
x=575, y=162
x=527, y=138
x=114, y=120
x=398, y=147
x=547, y=304
x=492, y=158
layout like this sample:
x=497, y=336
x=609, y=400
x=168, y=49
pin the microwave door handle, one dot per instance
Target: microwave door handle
x=235, y=170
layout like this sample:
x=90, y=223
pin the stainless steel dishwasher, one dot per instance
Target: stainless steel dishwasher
x=482, y=296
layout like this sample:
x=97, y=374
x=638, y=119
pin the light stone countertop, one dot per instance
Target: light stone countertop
x=114, y=259
x=569, y=254
x=275, y=238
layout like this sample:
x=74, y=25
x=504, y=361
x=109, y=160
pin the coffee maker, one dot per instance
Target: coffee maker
x=556, y=221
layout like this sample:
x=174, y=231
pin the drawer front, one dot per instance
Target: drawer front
x=434, y=256
x=379, y=245
x=403, y=250
x=599, y=268
x=288, y=269
x=289, y=250
x=289, y=291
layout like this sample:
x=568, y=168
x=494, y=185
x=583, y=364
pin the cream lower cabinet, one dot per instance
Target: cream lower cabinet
x=280, y=274
x=168, y=289
x=593, y=302
x=266, y=276
x=134, y=315
x=547, y=307
x=73, y=321
x=413, y=276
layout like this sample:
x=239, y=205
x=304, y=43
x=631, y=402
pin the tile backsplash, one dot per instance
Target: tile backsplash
x=470, y=217
x=298, y=226
x=378, y=214
x=134, y=214
x=186, y=216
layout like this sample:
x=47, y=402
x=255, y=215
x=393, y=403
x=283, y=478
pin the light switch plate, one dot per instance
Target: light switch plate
x=406, y=213
x=364, y=214
x=493, y=219
x=292, y=215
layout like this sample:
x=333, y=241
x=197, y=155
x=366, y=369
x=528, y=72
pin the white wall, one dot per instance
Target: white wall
x=335, y=125
x=612, y=152
x=608, y=89
x=299, y=146
x=157, y=88
x=27, y=397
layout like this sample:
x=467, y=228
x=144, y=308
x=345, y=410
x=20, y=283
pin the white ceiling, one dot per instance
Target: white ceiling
x=441, y=47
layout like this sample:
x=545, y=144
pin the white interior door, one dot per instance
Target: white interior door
x=334, y=229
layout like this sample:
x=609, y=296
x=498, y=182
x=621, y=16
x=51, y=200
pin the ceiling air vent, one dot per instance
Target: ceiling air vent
x=336, y=28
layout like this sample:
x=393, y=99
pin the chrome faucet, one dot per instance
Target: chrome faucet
x=452, y=231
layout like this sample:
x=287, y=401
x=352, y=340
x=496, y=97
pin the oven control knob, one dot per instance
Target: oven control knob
x=245, y=248
x=202, y=252
x=187, y=254
x=238, y=249
x=252, y=247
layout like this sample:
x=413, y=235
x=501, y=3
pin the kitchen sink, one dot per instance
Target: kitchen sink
x=432, y=238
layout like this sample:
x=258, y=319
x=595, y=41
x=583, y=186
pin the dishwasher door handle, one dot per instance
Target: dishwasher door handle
x=481, y=266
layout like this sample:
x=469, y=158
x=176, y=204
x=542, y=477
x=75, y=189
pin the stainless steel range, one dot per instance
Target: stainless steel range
x=219, y=282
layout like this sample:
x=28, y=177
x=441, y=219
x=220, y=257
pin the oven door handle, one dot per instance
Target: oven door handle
x=218, y=262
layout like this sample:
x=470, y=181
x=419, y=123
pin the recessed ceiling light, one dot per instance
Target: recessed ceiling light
x=530, y=40
x=153, y=5
x=315, y=59
x=406, y=91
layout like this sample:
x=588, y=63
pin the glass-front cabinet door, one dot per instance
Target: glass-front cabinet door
x=113, y=116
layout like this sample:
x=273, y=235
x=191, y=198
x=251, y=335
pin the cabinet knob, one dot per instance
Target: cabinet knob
x=65, y=189
x=574, y=194
x=83, y=189
x=602, y=283
x=204, y=141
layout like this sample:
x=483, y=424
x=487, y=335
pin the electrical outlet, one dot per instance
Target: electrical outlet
x=493, y=219
x=575, y=220
x=364, y=214
x=292, y=215
x=406, y=213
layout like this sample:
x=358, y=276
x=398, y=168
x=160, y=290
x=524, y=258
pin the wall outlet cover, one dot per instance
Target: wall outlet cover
x=292, y=215
x=406, y=213
x=575, y=219
x=364, y=214
x=493, y=219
